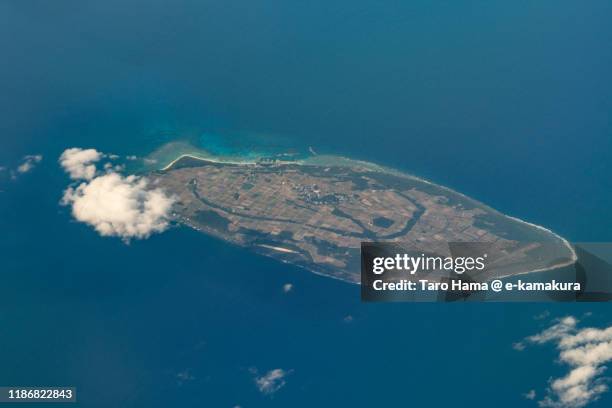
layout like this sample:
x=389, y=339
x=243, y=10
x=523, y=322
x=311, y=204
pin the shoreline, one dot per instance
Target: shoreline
x=191, y=156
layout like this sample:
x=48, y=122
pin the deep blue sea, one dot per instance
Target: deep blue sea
x=508, y=102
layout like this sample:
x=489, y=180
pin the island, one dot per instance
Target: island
x=316, y=213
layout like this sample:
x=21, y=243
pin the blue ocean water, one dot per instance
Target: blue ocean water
x=506, y=102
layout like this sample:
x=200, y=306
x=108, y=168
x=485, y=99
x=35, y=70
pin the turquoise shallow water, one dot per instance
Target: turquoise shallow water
x=506, y=103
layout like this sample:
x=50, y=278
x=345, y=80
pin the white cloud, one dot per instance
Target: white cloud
x=586, y=336
x=519, y=346
x=542, y=315
x=590, y=354
x=78, y=163
x=530, y=395
x=272, y=381
x=561, y=328
x=120, y=206
x=109, y=167
x=114, y=204
x=29, y=162
x=184, y=376
x=287, y=287
x=586, y=351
